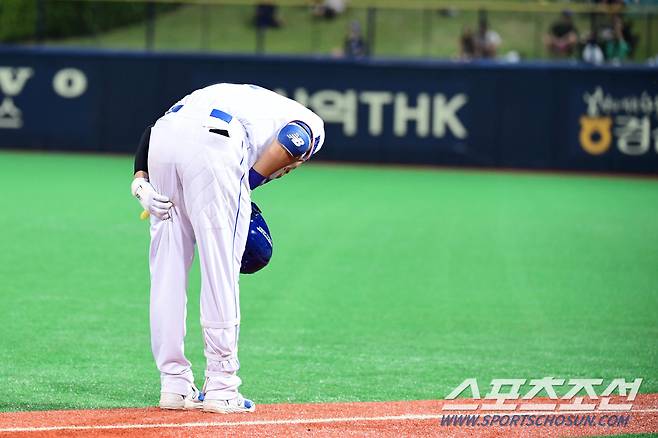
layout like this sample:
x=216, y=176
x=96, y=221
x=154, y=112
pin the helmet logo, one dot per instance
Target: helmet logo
x=265, y=235
x=296, y=139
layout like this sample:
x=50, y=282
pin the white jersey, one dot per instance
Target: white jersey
x=262, y=112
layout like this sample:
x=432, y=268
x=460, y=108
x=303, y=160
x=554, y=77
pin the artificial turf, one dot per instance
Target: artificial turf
x=386, y=283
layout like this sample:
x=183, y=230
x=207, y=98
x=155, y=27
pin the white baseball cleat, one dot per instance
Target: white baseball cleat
x=171, y=400
x=236, y=405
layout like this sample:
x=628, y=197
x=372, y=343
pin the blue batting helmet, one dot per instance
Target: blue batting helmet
x=258, y=251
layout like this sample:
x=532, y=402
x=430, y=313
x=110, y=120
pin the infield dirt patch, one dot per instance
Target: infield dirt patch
x=402, y=418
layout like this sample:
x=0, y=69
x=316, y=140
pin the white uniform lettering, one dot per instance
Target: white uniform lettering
x=376, y=101
x=405, y=113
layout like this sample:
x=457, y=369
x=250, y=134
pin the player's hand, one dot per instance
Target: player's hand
x=156, y=204
x=286, y=170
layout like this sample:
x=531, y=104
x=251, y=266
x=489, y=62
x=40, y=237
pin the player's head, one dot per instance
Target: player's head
x=258, y=251
x=297, y=138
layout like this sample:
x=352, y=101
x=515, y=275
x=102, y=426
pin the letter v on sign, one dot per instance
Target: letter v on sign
x=12, y=80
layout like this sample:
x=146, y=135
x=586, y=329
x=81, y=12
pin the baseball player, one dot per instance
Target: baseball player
x=194, y=173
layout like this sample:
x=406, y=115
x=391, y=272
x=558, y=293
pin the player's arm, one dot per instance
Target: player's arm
x=274, y=162
x=291, y=147
x=153, y=202
x=142, y=155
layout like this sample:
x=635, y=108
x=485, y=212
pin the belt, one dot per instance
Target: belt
x=216, y=113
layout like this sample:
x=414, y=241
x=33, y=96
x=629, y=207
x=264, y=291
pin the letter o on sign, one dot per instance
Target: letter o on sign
x=70, y=83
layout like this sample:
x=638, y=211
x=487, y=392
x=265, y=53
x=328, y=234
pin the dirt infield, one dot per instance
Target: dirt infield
x=406, y=418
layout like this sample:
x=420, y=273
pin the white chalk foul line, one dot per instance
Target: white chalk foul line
x=408, y=417
x=225, y=423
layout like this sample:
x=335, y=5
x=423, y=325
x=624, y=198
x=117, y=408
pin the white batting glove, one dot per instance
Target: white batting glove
x=156, y=204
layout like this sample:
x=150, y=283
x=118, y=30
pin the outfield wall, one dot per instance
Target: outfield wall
x=556, y=116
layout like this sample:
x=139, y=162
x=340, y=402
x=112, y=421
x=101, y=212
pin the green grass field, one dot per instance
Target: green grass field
x=386, y=284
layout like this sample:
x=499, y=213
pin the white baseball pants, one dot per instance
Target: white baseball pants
x=204, y=175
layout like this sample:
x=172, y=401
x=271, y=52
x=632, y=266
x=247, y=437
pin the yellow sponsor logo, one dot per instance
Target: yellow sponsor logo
x=595, y=134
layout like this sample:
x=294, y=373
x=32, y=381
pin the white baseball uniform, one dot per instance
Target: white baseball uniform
x=200, y=154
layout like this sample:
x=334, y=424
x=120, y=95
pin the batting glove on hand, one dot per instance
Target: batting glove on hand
x=156, y=204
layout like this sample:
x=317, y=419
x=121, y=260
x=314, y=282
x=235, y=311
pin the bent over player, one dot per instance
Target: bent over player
x=194, y=173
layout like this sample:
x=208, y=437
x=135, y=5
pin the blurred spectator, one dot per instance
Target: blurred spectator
x=592, y=53
x=486, y=40
x=266, y=15
x=328, y=8
x=631, y=38
x=481, y=44
x=355, y=45
x=617, y=48
x=619, y=41
x=562, y=39
x=467, y=44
